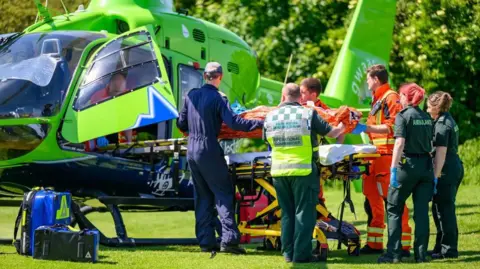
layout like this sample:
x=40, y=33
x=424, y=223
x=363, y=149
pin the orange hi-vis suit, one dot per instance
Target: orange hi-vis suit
x=385, y=106
x=92, y=144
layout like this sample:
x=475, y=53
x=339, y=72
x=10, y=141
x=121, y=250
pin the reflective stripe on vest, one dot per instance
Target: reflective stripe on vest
x=379, y=115
x=383, y=141
x=288, y=132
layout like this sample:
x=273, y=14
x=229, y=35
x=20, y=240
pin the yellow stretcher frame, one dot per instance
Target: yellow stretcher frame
x=272, y=231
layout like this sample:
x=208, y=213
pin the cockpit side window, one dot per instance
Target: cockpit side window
x=124, y=65
x=188, y=78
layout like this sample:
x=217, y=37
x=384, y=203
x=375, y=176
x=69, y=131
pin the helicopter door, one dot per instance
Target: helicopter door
x=123, y=86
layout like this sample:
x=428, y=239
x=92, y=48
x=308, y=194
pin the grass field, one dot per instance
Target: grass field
x=182, y=225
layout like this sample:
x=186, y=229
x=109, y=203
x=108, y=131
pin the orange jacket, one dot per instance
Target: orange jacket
x=385, y=106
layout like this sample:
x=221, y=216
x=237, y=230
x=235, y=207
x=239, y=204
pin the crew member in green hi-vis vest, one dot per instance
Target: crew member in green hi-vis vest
x=291, y=131
x=412, y=161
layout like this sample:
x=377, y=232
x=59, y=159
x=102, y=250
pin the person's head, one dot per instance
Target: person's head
x=213, y=74
x=117, y=84
x=291, y=93
x=411, y=94
x=377, y=75
x=310, y=89
x=438, y=102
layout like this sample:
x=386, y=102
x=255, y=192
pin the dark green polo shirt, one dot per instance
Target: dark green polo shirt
x=446, y=133
x=416, y=126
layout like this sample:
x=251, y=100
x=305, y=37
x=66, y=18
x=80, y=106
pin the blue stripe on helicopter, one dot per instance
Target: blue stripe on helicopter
x=159, y=109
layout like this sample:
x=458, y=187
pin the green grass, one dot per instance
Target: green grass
x=182, y=225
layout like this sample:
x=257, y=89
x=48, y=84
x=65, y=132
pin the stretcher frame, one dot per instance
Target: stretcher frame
x=257, y=179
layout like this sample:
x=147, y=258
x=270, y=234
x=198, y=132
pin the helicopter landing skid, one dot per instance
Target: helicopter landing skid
x=122, y=239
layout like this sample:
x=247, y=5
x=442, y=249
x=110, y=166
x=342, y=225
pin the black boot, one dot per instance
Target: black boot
x=388, y=259
x=367, y=250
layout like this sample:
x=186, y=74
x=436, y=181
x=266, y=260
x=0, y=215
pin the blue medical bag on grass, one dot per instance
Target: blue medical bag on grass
x=61, y=242
x=39, y=208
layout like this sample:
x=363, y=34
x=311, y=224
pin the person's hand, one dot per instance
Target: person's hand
x=393, y=177
x=102, y=142
x=341, y=126
x=359, y=128
x=435, y=182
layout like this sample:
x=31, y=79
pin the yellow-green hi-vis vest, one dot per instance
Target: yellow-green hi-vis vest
x=287, y=130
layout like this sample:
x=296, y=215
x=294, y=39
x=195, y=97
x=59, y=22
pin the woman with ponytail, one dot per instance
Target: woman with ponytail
x=411, y=173
x=449, y=171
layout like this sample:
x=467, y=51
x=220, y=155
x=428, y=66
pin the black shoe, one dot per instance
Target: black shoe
x=288, y=260
x=421, y=260
x=312, y=259
x=439, y=256
x=406, y=254
x=388, y=259
x=367, y=250
x=233, y=250
x=431, y=252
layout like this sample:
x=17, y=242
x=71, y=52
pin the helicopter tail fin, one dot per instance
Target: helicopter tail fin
x=368, y=41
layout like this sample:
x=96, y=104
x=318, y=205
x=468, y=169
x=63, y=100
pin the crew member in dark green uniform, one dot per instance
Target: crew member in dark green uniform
x=291, y=131
x=413, y=162
x=449, y=171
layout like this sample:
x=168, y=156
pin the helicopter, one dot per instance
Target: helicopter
x=55, y=78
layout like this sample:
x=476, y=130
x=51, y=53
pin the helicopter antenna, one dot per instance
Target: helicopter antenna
x=43, y=11
x=66, y=10
x=288, y=69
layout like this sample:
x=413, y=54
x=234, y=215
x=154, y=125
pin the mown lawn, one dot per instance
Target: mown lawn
x=182, y=225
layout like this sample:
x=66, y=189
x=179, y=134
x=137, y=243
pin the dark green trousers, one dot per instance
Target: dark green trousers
x=297, y=197
x=443, y=207
x=415, y=176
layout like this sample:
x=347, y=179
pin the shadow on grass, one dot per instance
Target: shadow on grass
x=464, y=256
x=457, y=206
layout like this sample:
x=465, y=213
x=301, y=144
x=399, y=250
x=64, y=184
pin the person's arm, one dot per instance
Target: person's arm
x=393, y=107
x=341, y=139
x=232, y=120
x=321, y=127
x=400, y=134
x=440, y=155
x=441, y=145
x=397, y=151
x=182, y=121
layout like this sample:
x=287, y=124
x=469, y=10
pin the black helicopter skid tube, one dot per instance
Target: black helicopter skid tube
x=122, y=239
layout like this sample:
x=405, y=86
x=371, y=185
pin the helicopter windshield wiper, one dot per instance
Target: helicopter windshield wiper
x=4, y=39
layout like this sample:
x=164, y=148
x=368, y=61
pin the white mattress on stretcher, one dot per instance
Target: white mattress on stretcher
x=328, y=154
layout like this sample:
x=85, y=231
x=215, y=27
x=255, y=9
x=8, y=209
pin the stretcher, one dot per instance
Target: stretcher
x=251, y=174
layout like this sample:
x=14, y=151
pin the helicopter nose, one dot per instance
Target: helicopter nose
x=19, y=140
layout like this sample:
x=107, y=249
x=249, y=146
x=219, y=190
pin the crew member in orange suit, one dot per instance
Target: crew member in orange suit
x=379, y=127
x=310, y=90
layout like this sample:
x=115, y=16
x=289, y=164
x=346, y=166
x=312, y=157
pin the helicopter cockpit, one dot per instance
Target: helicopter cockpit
x=36, y=70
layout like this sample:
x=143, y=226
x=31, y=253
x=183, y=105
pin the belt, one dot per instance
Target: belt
x=417, y=154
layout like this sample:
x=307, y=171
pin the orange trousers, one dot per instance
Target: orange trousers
x=375, y=189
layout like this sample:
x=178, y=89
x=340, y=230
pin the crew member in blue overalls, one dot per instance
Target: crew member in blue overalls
x=202, y=115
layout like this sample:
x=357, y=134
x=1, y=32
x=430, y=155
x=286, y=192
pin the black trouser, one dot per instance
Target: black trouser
x=414, y=176
x=443, y=207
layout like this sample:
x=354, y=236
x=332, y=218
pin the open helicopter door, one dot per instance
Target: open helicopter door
x=123, y=86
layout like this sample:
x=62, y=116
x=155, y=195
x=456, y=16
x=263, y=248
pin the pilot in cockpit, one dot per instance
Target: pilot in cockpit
x=116, y=86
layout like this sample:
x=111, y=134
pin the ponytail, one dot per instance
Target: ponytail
x=441, y=100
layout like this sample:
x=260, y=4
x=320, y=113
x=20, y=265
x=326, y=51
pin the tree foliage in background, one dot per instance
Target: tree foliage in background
x=435, y=42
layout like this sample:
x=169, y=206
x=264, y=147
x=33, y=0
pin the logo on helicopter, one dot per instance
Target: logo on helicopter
x=164, y=180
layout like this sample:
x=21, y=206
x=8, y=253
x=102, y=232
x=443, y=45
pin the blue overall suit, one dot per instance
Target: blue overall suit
x=202, y=115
